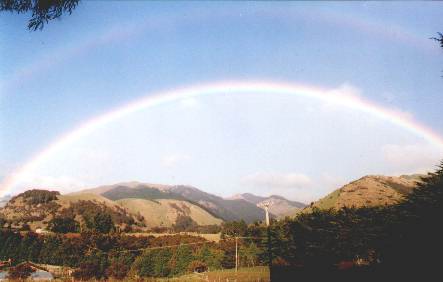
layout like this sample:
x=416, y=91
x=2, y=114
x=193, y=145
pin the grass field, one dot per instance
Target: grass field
x=209, y=237
x=249, y=274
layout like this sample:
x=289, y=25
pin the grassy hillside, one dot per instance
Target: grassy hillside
x=164, y=212
x=226, y=209
x=218, y=207
x=369, y=191
x=36, y=208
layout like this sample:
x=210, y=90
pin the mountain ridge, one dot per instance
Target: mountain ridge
x=279, y=205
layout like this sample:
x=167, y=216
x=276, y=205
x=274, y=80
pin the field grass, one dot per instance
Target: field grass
x=248, y=274
x=209, y=237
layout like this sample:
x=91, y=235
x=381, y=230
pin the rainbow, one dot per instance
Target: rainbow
x=339, y=97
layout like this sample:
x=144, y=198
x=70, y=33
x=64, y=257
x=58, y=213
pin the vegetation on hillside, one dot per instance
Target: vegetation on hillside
x=36, y=196
x=405, y=237
x=402, y=237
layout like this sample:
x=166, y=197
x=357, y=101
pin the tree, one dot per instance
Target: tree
x=210, y=256
x=43, y=11
x=93, y=266
x=118, y=269
x=161, y=264
x=249, y=254
x=184, y=223
x=416, y=244
x=439, y=38
x=144, y=264
x=181, y=259
x=234, y=228
x=63, y=225
x=100, y=222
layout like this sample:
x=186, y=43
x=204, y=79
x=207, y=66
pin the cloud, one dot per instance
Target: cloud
x=63, y=184
x=412, y=158
x=174, y=159
x=331, y=182
x=347, y=94
x=276, y=180
x=190, y=103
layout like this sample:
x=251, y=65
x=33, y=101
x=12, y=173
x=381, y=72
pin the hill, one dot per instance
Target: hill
x=36, y=208
x=369, y=191
x=237, y=209
x=165, y=212
x=226, y=209
x=279, y=206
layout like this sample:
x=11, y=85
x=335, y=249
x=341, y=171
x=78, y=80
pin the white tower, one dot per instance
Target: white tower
x=265, y=205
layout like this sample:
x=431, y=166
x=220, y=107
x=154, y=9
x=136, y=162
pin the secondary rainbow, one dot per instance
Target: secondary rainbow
x=335, y=96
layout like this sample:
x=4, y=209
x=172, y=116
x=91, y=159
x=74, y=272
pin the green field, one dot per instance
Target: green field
x=257, y=274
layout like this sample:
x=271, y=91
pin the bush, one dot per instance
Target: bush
x=100, y=222
x=21, y=271
x=184, y=223
x=94, y=266
x=118, y=269
x=36, y=196
x=197, y=266
x=63, y=225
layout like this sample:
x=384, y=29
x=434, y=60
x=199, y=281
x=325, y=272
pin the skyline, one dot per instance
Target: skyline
x=46, y=97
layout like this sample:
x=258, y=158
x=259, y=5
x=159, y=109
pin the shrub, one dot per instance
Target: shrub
x=197, y=266
x=63, y=225
x=36, y=196
x=21, y=271
x=184, y=223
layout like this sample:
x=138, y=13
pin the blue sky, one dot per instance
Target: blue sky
x=106, y=55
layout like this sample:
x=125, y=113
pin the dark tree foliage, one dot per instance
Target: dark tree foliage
x=42, y=11
x=155, y=263
x=403, y=239
x=37, y=196
x=89, y=209
x=100, y=222
x=63, y=225
x=439, y=38
x=417, y=233
x=2, y=221
x=181, y=259
x=184, y=223
x=234, y=228
x=120, y=265
x=93, y=267
x=324, y=238
x=117, y=270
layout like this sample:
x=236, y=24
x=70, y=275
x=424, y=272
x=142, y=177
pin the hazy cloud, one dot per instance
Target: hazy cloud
x=274, y=180
x=190, y=103
x=174, y=159
x=62, y=183
x=416, y=158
